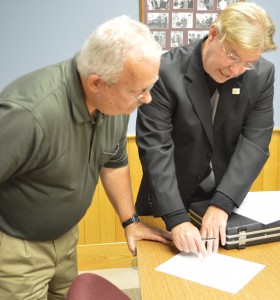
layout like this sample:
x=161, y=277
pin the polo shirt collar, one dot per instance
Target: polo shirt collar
x=75, y=90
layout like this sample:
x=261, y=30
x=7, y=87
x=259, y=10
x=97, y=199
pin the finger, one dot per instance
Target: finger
x=158, y=236
x=209, y=245
x=164, y=233
x=178, y=245
x=223, y=236
x=203, y=232
x=216, y=244
x=209, y=239
x=131, y=246
x=187, y=249
x=201, y=249
x=191, y=246
x=143, y=232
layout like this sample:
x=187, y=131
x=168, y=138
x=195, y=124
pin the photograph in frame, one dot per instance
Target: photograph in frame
x=174, y=22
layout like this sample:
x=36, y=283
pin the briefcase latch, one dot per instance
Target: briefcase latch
x=242, y=237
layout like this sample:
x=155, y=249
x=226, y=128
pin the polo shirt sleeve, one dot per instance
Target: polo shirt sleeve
x=20, y=140
x=119, y=158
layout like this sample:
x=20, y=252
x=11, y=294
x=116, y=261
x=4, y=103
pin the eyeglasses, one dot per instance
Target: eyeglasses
x=235, y=59
x=144, y=94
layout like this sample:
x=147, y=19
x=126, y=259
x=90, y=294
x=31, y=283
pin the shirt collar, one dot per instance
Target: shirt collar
x=75, y=92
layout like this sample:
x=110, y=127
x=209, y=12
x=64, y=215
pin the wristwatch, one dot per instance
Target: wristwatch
x=134, y=219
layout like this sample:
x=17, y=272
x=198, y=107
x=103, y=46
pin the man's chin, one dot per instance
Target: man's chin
x=220, y=77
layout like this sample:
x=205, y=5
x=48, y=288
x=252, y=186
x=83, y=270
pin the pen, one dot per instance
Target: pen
x=208, y=239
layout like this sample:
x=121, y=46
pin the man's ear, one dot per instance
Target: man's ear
x=94, y=82
x=212, y=32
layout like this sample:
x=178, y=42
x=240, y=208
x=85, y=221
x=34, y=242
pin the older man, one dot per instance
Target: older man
x=62, y=127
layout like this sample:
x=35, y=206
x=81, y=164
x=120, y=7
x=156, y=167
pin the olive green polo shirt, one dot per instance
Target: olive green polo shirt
x=51, y=152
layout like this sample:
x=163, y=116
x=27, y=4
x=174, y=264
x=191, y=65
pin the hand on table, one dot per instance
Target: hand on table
x=138, y=231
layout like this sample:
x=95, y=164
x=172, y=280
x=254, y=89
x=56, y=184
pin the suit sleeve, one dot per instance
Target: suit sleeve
x=252, y=150
x=156, y=151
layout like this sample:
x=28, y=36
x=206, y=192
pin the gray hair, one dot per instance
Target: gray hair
x=248, y=26
x=106, y=50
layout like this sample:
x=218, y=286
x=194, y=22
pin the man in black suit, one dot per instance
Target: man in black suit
x=206, y=133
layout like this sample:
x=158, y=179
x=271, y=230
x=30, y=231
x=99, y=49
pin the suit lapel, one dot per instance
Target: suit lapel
x=198, y=94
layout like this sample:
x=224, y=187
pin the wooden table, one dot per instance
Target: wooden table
x=156, y=285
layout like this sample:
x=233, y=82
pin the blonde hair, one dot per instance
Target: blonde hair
x=106, y=50
x=248, y=26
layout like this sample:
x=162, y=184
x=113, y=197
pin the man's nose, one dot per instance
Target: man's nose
x=147, y=98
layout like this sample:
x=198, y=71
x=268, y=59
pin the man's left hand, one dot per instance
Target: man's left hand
x=138, y=231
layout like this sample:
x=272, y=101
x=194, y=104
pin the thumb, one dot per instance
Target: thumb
x=132, y=246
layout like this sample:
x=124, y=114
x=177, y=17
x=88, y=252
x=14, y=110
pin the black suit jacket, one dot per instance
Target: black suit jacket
x=176, y=138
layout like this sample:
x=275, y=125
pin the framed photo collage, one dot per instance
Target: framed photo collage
x=174, y=23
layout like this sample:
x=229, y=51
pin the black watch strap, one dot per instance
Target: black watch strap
x=134, y=219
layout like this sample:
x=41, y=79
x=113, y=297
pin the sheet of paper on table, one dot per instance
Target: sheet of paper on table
x=216, y=270
x=263, y=207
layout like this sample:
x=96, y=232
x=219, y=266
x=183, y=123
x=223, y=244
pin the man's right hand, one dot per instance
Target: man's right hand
x=186, y=237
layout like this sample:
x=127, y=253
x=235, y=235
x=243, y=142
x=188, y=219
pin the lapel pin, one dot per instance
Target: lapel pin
x=235, y=91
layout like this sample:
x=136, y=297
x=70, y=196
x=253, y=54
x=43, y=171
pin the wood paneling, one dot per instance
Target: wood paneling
x=269, y=178
x=101, y=225
x=104, y=256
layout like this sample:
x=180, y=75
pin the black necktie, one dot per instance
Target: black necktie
x=209, y=182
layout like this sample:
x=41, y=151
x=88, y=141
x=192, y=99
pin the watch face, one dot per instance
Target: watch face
x=135, y=219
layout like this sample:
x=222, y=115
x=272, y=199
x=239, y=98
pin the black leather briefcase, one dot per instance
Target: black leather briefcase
x=241, y=231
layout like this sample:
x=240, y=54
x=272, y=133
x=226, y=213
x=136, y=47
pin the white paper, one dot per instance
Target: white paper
x=216, y=270
x=263, y=207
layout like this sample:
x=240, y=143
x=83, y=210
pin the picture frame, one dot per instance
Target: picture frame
x=174, y=22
